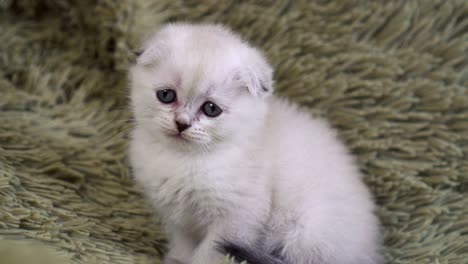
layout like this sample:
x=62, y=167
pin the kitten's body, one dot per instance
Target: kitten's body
x=274, y=183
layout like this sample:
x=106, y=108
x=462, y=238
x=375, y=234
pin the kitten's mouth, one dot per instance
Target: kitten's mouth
x=178, y=137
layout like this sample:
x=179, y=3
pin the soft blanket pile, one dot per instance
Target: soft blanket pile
x=391, y=76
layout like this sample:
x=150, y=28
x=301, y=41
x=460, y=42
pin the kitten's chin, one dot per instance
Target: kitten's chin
x=184, y=143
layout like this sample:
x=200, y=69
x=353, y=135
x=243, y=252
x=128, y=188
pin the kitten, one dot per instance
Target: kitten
x=232, y=169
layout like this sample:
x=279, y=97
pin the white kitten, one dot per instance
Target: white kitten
x=233, y=170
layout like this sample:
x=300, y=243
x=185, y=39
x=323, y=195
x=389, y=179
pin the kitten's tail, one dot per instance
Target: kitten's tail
x=243, y=253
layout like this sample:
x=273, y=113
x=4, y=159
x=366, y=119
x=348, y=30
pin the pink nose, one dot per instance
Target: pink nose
x=181, y=126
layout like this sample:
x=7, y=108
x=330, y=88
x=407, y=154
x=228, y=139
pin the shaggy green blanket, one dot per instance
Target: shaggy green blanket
x=391, y=76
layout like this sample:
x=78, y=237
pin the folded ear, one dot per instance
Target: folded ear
x=152, y=51
x=258, y=76
x=138, y=52
x=150, y=54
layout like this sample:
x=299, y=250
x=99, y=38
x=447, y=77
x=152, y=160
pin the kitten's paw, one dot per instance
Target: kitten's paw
x=170, y=260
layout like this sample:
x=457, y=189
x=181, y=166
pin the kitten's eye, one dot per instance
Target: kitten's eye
x=211, y=109
x=166, y=96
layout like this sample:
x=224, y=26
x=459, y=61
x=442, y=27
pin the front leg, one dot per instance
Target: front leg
x=207, y=253
x=181, y=248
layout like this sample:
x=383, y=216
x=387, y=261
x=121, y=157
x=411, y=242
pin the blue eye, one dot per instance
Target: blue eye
x=211, y=109
x=166, y=96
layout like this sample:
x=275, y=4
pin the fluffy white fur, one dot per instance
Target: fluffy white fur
x=263, y=173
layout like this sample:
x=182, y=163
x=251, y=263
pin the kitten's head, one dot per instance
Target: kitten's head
x=198, y=86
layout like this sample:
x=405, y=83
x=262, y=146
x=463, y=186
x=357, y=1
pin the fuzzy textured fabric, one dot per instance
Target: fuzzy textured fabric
x=25, y=252
x=391, y=76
